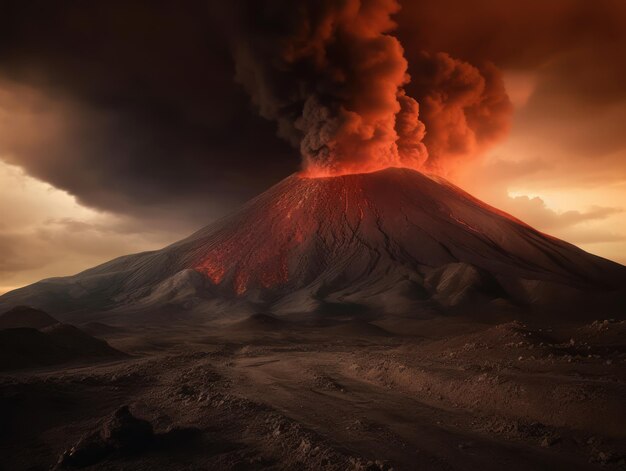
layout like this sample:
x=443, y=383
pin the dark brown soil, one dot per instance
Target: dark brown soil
x=400, y=394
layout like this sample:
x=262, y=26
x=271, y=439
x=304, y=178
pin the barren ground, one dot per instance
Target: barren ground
x=434, y=394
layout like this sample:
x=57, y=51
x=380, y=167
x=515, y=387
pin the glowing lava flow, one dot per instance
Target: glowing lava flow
x=264, y=252
x=249, y=263
x=370, y=165
x=313, y=231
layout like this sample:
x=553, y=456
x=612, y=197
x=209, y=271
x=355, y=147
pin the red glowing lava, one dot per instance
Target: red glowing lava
x=349, y=226
x=249, y=263
x=368, y=166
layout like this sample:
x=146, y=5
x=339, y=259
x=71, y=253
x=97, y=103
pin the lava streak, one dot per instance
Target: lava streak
x=341, y=231
x=245, y=262
x=294, y=234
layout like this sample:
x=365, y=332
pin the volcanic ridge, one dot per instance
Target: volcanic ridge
x=393, y=240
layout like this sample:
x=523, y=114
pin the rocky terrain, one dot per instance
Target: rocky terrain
x=329, y=393
x=363, y=322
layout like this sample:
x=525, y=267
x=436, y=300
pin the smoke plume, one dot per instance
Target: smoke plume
x=335, y=80
x=465, y=108
x=332, y=77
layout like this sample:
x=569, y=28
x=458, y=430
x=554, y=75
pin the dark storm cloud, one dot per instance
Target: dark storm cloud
x=144, y=96
x=146, y=116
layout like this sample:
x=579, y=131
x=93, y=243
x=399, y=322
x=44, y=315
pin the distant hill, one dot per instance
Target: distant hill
x=24, y=346
x=25, y=316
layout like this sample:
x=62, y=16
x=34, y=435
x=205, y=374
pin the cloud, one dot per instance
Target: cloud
x=565, y=64
x=334, y=78
x=535, y=211
x=465, y=108
x=39, y=238
x=146, y=120
x=548, y=194
x=154, y=122
x=151, y=120
x=330, y=74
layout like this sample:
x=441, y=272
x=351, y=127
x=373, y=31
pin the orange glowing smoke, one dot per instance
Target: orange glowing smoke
x=334, y=79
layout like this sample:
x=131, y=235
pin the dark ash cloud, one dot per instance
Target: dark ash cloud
x=143, y=92
x=331, y=74
x=151, y=121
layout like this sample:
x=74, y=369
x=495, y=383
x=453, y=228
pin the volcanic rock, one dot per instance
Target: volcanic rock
x=122, y=432
x=393, y=241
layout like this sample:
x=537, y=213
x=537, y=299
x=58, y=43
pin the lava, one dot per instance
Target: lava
x=368, y=165
x=289, y=224
x=339, y=230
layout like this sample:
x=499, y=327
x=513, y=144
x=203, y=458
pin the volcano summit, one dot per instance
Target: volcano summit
x=395, y=240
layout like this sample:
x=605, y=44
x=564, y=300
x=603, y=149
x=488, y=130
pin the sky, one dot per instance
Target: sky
x=125, y=126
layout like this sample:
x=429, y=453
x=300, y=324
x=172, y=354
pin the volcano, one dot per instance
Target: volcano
x=395, y=240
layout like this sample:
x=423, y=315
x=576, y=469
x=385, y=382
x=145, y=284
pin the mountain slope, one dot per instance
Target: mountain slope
x=381, y=239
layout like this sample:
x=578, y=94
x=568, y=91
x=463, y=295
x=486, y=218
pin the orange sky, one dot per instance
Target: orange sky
x=138, y=149
x=536, y=177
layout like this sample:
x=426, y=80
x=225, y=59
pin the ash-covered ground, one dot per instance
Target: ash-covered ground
x=327, y=393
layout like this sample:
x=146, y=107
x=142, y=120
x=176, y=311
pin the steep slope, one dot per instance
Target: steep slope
x=381, y=239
